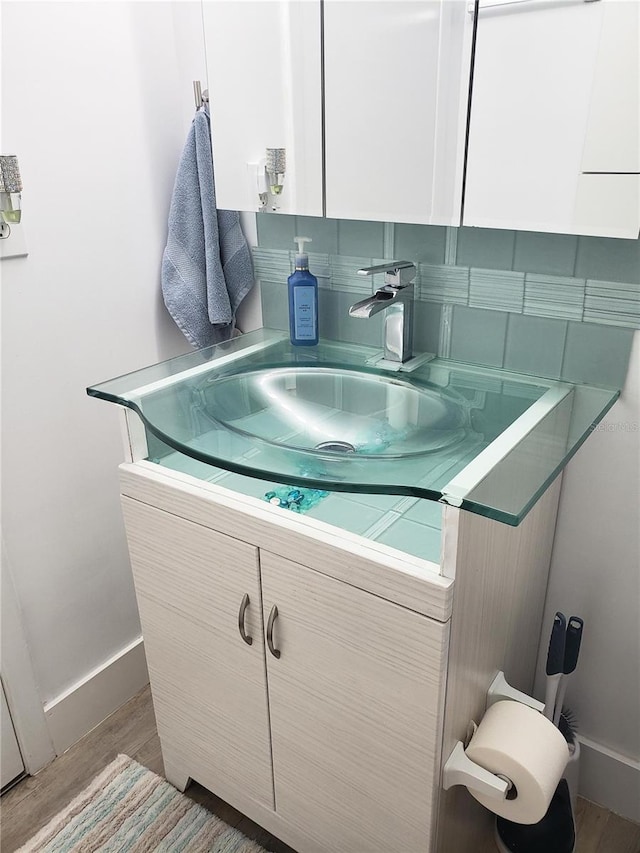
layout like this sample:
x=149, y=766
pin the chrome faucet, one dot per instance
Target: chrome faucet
x=396, y=298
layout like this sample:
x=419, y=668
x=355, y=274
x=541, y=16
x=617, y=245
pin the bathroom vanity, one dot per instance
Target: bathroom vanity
x=315, y=668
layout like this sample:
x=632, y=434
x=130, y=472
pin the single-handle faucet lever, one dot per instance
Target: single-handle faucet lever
x=396, y=298
x=396, y=273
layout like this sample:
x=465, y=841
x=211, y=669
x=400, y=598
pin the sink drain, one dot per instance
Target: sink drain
x=336, y=446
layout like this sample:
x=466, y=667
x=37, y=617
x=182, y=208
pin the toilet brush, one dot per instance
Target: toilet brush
x=573, y=638
x=555, y=663
x=555, y=833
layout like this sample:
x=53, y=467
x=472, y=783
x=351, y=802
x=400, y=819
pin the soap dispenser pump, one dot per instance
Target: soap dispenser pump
x=303, y=300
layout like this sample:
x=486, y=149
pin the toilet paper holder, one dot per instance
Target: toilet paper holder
x=460, y=770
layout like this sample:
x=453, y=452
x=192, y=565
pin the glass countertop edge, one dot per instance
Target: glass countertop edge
x=187, y=364
x=323, y=484
x=486, y=510
x=514, y=519
x=353, y=355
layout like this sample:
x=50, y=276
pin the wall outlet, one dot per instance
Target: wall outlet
x=15, y=245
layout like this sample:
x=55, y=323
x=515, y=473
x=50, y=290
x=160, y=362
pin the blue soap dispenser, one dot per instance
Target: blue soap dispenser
x=303, y=300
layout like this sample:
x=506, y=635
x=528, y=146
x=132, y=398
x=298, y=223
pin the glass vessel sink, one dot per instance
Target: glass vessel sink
x=482, y=439
x=327, y=411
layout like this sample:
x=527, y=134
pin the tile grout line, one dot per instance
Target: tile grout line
x=382, y=524
x=389, y=241
x=451, y=246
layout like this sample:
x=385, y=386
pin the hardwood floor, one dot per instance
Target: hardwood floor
x=132, y=730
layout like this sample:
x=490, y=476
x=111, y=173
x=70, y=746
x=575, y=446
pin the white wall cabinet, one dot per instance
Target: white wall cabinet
x=395, y=100
x=553, y=137
x=265, y=90
x=330, y=729
x=368, y=97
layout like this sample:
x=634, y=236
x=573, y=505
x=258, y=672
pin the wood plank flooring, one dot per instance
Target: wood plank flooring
x=132, y=730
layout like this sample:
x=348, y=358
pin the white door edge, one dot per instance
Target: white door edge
x=24, y=702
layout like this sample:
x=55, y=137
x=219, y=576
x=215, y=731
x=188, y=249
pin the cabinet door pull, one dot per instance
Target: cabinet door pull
x=272, y=618
x=243, y=606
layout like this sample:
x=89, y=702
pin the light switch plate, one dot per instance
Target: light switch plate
x=15, y=245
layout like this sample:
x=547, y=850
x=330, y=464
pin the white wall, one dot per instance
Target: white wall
x=96, y=105
x=595, y=574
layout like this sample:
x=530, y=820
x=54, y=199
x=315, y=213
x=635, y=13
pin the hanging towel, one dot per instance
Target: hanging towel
x=206, y=265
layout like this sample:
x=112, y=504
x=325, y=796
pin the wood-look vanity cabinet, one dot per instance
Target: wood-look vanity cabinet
x=299, y=671
x=209, y=686
x=345, y=695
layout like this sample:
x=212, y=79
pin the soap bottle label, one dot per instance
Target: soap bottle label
x=304, y=308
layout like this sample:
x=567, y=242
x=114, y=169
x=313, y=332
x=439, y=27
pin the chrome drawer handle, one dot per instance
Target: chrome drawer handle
x=272, y=618
x=243, y=606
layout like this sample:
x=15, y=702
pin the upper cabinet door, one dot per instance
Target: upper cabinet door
x=264, y=80
x=612, y=142
x=554, y=118
x=396, y=83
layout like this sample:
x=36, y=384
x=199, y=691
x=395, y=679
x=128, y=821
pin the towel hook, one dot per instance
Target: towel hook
x=200, y=97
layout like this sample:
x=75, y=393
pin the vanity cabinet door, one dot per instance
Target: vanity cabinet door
x=208, y=684
x=356, y=701
x=553, y=135
x=395, y=99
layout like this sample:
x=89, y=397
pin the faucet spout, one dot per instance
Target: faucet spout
x=380, y=300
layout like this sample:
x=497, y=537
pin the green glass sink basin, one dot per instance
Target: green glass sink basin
x=483, y=439
x=329, y=411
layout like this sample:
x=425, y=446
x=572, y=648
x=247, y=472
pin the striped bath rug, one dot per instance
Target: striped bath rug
x=129, y=808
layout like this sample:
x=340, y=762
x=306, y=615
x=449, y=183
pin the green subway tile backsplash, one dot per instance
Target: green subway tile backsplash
x=449, y=285
x=361, y=238
x=608, y=260
x=498, y=289
x=485, y=248
x=535, y=345
x=426, y=333
x=478, y=336
x=522, y=300
x=612, y=302
x=596, y=355
x=276, y=232
x=422, y=243
x=554, y=254
x=323, y=232
x=554, y=296
x=275, y=305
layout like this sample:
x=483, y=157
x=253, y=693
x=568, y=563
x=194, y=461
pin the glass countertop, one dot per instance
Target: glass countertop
x=325, y=417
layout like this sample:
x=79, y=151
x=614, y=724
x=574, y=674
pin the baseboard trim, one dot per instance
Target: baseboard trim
x=609, y=779
x=73, y=714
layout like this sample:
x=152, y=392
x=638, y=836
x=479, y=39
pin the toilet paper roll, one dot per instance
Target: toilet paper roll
x=521, y=744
